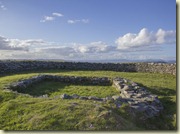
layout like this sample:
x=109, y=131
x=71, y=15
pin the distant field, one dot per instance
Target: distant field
x=19, y=112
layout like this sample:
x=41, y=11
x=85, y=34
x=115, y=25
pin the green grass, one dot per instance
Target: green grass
x=19, y=112
x=52, y=88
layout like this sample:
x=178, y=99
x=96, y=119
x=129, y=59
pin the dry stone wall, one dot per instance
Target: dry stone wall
x=138, y=98
x=65, y=79
x=19, y=66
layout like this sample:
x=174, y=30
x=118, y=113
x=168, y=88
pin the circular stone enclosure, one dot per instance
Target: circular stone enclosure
x=51, y=84
x=129, y=92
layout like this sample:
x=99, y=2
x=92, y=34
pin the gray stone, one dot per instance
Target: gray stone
x=83, y=98
x=95, y=98
x=109, y=98
x=14, y=66
x=126, y=87
x=138, y=108
x=75, y=96
x=134, y=84
x=116, y=97
x=65, y=96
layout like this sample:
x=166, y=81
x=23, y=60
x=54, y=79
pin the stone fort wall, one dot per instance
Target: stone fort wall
x=19, y=66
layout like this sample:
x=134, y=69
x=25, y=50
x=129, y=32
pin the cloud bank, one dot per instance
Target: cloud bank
x=142, y=45
x=16, y=44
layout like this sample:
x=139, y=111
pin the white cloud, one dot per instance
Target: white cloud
x=38, y=48
x=85, y=20
x=16, y=44
x=94, y=47
x=143, y=45
x=145, y=38
x=91, y=48
x=58, y=14
x=2, y=7
x=47, y=18
x=51, y=18
x=71, y=21
x=77, y=21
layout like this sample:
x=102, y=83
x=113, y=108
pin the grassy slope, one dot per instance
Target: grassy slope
x=23, y=113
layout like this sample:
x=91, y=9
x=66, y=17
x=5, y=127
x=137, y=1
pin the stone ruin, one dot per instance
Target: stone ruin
x=137, y=98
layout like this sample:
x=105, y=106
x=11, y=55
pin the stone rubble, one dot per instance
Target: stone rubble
x=138, y=98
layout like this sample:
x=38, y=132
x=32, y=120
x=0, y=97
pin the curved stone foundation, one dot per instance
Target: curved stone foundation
x=19, y=66
x=138, y=98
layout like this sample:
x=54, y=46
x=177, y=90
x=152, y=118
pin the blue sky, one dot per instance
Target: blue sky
x=88, y=29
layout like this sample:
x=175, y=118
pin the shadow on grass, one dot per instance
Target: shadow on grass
x=49, y=87
x=167, y=119
x=45, y=87
x=160, y=91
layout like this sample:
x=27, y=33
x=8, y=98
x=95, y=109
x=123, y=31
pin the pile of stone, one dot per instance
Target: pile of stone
x=138, y=98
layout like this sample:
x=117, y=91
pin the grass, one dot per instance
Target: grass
x=52, y=88
x=19, y=112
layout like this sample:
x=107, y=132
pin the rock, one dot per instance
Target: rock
x=125, y=81
x=109, y=98
x=134, y=84
x=83, y=98
x=136, y=87
x=126, y=87
x=75, y=96
x=116, y=97
x=95, y=98
x=45, y=96
x=138, y=108
x=65, y=96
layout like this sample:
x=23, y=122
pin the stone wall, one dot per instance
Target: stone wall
x=65, y=79
x=137, y=98
x=19, y=66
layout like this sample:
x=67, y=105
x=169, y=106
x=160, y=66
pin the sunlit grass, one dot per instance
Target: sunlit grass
x=27, y=113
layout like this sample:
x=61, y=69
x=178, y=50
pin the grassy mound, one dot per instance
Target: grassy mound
x=18, y=112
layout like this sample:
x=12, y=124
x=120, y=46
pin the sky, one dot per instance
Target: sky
x=88, y=29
